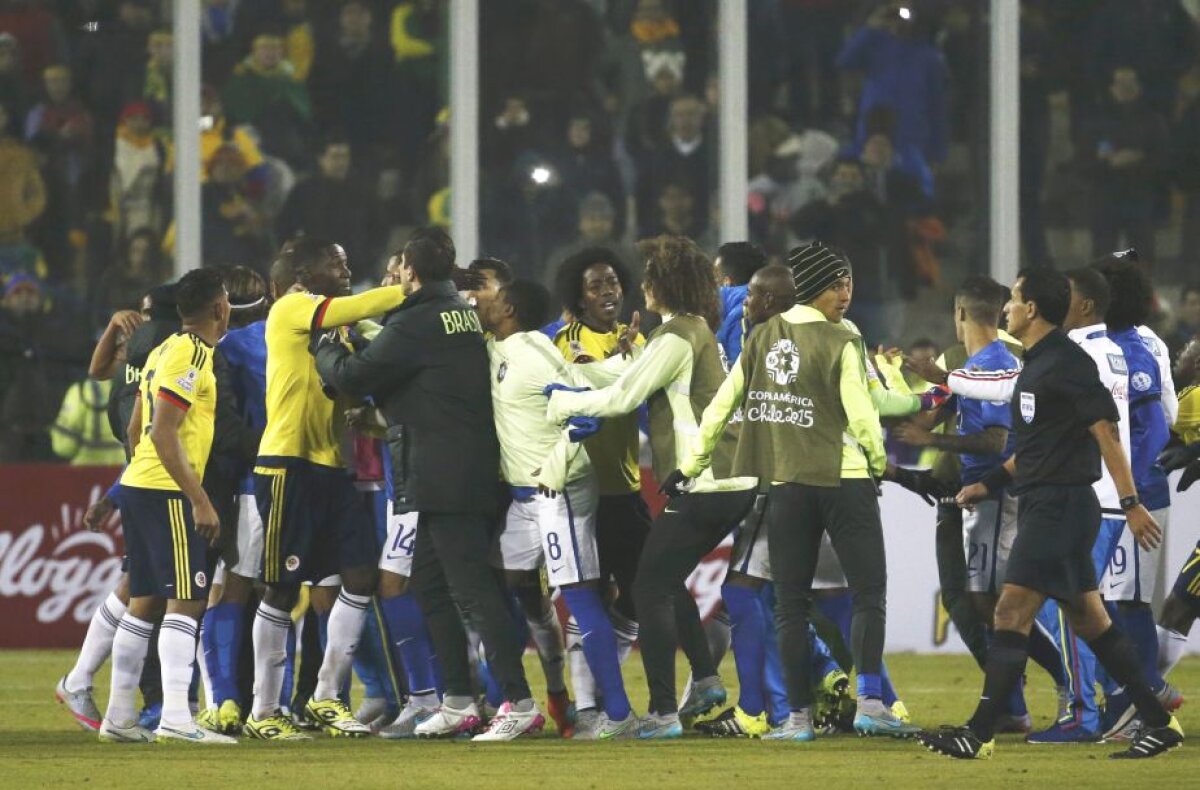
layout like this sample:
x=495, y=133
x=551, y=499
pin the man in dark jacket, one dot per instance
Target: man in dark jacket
x=427, y=370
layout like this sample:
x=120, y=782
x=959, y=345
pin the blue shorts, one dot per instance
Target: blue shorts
x=167, y=557
x=1187, y=583
x=315, y=522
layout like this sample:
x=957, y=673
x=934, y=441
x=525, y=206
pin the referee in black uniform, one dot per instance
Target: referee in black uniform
x=1065, y=423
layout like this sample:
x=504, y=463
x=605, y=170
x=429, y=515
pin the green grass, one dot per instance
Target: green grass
x=41, y=747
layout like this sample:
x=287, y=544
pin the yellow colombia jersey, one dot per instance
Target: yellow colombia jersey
x=614, y=450
x=179, y=372
x=300, y=417
x=1187, y=426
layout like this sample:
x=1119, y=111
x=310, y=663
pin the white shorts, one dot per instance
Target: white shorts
x=249, y=538
x=1133, y=572
x=559, y=532
x=750, y=555
x=988, y=534
x=397, y=554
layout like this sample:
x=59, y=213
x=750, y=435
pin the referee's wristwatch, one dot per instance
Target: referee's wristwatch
x=1130, y=502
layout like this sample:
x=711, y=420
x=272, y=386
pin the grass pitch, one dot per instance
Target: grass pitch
x=41, y=747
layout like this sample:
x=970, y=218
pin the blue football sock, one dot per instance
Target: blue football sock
x=839, y=610
x=371, y=663
x=222, y=638
x=289, y=671
x=406, y=627
x=823, y=661
x=748, y=637
x=1078, y=667
x=1138, y=623
x=491, y=688
x=778, y=709
x=886, y=688
x=870, y=685
x=599, y=648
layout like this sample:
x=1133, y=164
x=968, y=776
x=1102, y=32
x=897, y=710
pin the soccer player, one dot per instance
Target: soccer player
x=1065, y=422
x=315, y=525
x=167, y=517
x=1132, y=572
x=736, y=264
x=427, y=370
x=244, y=348
x=592, y=286
x=551, y=521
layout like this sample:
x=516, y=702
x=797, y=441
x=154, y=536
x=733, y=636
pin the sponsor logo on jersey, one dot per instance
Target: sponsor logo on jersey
x=783, y=361
x=1116, y=363
x=1028, y=406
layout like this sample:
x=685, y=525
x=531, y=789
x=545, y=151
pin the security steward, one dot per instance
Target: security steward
x=1065, y=422
x=427, y=371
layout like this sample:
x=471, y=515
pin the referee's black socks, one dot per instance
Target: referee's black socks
x=1115, y=652
x=1005, y=664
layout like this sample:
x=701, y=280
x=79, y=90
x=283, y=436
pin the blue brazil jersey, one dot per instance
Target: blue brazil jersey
x=1148, y=429
x=245, y=350
x=978, y=415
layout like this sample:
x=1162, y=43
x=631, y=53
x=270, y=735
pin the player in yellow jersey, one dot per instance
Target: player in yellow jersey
x=168, y=520
x=592, y=285
x=315, y=525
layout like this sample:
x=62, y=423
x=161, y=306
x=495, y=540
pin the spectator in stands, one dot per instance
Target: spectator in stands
x=12, y=85
x=1187, y=325
x=25, y=391
x=597, y=228
x=735, y=263
x=139, y=187
x=218, y=131
x=528, y=215
x=234, y=230
x=350, y=84
x=66, y=126
x=22, y=194
x=134, y=273
x=645, y=131
x=677, y=212
x=265, y=93
x=40, y=34
x=904, y=72
x=155, y=82
x=1129, y=154
x=299, y=43
x=585, y=164
x=510, y=134
x=687, y=159
x=335, y=203
x=789, y=182
x=80, y=434
x=649, y=43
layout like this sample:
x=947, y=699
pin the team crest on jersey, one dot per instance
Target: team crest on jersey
x=502, y=371
x=201, y=579
x=187, y=382
x=292, y=562
x=1028, y=406
x=1116, y=363
x=783, y=361
x=1141, y=381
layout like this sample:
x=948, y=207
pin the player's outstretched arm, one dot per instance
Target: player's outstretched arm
x=659, y=364
x=346, y=310
x=990, y=385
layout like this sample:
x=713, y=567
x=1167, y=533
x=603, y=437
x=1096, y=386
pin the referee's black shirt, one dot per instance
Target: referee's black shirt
x=1058, y=397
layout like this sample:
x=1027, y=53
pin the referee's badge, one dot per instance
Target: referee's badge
x=1028, y=406
x=502, y=371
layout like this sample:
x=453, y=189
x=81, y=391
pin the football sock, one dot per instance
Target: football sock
x=202, y=668
x=1007, y=656
x=1045, y=654
x=1171, y=647
x=271, y=627
x=221, y=636
x=887, y=692
x=97, y=644
x=599, y=643
x=548, y=637
x=176, y=654
x=1137, y=620
x=491, y=689
x=869, y=685
x=1014, y=705
x=289, y=669
x=1115, y=651
x=748, y=637
x=343, y=634
x=129, y=647
x=406, y=626
x=583, y=685
x=370, y=663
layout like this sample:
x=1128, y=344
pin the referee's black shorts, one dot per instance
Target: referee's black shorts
x=1056, y=528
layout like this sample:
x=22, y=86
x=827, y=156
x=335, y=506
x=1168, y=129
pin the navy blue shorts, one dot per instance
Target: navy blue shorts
x=315, y=522
x=167, y=557
x=1187, y=584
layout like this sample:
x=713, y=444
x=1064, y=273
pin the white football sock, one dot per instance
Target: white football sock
x=129, y=648
x=271, y=628
x=177, y=654
x=202, y=665
x=627, y=634
x=1171, y=647
x=548, y=637
x=345, y=627
x=97, y=645
x=583, y=684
